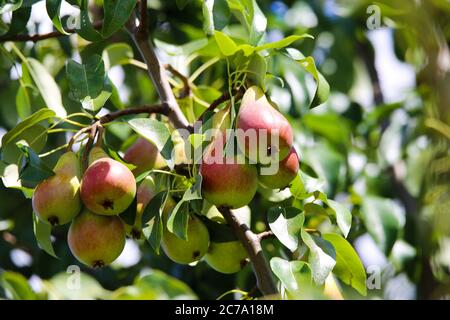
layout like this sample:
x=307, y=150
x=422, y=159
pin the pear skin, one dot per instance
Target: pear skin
x=108, y=187
x=226, y=257
x=56, y=200
x=145, y=156
x=96, y=240
x=227, y=182
x=287, y=171
x=258, y=118
x=185, y=252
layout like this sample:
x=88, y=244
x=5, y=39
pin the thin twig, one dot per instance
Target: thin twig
x=265, y=235
x=38, y=37
x=186, y=84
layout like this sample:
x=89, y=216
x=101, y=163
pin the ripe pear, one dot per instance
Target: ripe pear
x=287, y=171
x=226, y=257
x=227, y=180
x=108, y=187
x=257, y=118
x=96, y=240
x=145, y=156
x=185, y=252
x=56, y=200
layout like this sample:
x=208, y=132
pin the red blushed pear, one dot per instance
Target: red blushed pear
x=56, y=200
x=108, y=187
x=96, y=240
x=227, y=180
x=257, y=123
x=145, y=156
x=287, y=171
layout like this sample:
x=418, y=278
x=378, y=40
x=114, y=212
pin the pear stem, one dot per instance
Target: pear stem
x=252, y=244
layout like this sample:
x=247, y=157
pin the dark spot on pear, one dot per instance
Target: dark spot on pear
x=196, y=254
x=54, y=221
x=107, y=204
x=98, y=264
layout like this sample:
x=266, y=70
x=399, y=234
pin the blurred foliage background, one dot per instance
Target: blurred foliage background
x=380, y=144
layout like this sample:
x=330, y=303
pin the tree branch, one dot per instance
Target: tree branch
x=157, y=73
x=38, y=37
x=252, y=244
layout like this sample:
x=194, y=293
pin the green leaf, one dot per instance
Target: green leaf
x=117, y=54
x=293, y=274
x=322, y=256
x=323, y=88
x=257, y=69
x=86, y=81
x=250, y=16
x=155, y=207
x=179, y=220
x=208, y=16
x=43, y=233
x=46, y=85
x=226, y=45
x=383, y=219
x=348, y=266
x=23, y=103
x=116, y=13
x=35, y=136
x=16, y=286
x=153, y=232
x=35, y=169
x=87, y=31
x=283, y=42
x=304, y=185
x=342, y=214
x=157, y=133
x=53, y=7
x=286, y=224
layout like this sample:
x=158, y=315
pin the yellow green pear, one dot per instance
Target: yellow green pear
x=226, y=257
x=185, y=252
x=56, y=200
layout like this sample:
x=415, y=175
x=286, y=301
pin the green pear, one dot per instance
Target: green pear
x=185, y=252
x=56, y=200
x=96, y=240
x=226, y=257
x=108, y=187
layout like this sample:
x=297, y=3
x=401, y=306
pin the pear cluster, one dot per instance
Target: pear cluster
x=91, y=204
x=232, y=182
x=224, y=257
